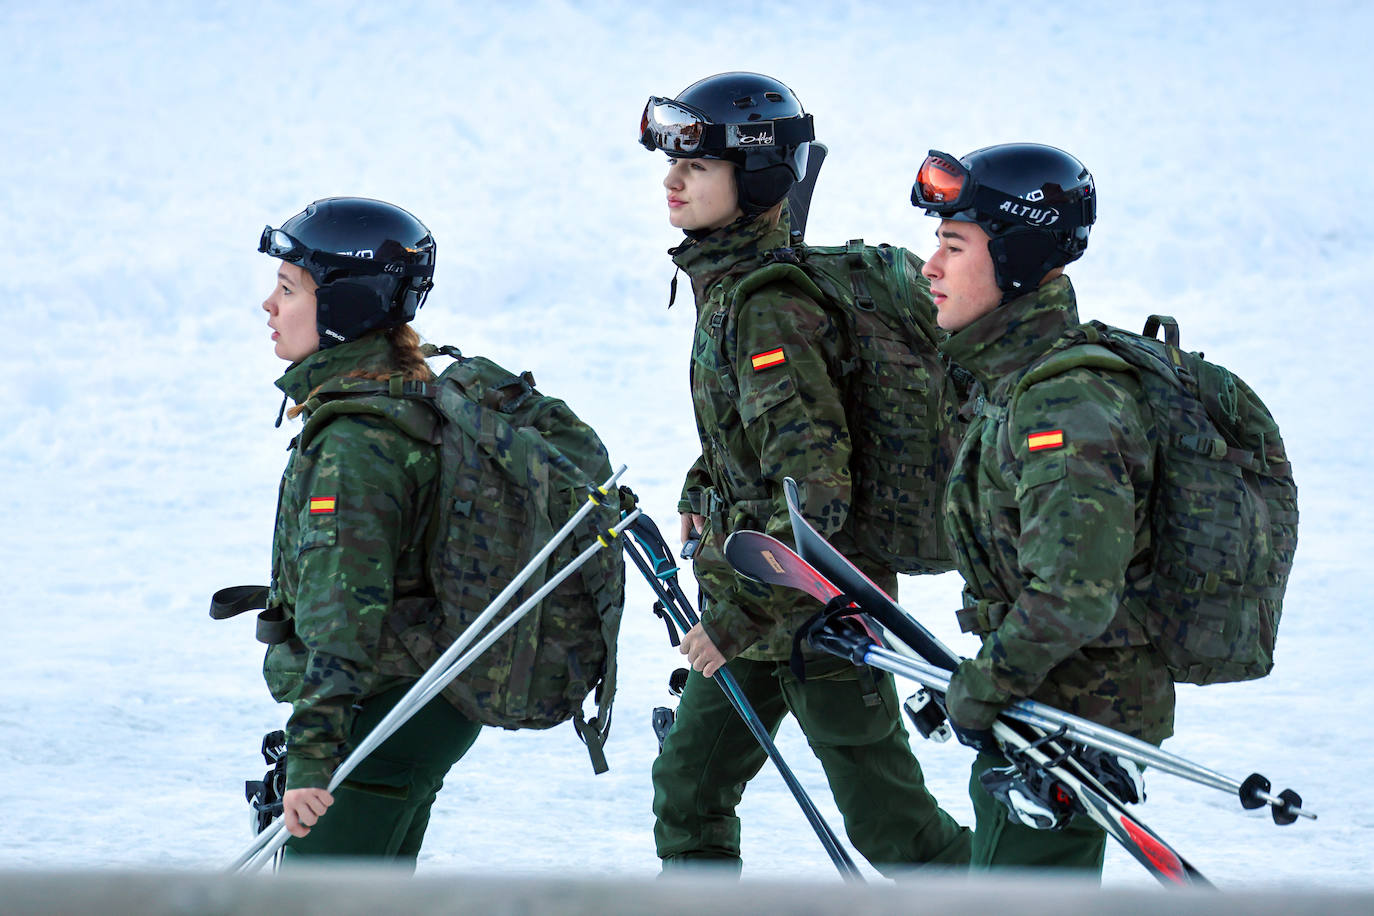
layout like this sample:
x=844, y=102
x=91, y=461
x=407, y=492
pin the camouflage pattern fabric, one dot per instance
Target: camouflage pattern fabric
x=538, y=674
x=1224, y=525
x=348, y=544
x=515, y=464
x=901, y=398
x=1048, y=510
x=773, y=411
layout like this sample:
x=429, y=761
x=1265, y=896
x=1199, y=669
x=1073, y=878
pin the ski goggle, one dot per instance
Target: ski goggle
x=942, y=184
x=281, y=245
x=680, y=130
x=671, y=126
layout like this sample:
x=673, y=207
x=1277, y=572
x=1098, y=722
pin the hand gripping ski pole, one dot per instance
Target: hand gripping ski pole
x=452, y=662
x=767, y=559
x=650, y=554
x=1253, y=792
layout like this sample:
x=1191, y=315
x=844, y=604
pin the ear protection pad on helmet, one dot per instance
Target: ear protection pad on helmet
x=761, y=189
x=347, y=308
x=1021, y=257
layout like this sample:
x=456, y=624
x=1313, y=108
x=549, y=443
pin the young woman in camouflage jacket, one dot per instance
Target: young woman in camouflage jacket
x=767, y=404
x=349, y=542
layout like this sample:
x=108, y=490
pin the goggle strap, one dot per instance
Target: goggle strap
x=369, y=265
x=792, y=131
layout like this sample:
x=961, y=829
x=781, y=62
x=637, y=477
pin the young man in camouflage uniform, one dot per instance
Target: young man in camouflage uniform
x=1047, y=504
x=771, y=410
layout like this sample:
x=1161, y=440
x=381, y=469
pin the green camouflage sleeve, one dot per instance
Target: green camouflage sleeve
x=794, y=424
x=346, y=565
x=791, y=406
x=1078, y=440
x=698, y=480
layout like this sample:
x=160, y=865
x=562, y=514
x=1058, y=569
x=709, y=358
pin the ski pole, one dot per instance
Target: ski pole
x=393, y=721
x=444, y=669
x=657, y=566
x=1252, y=792
x=767, y=559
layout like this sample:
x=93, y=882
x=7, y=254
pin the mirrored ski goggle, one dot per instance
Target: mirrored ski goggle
x=280, y=245
x=680, y=130
x=671, y=126
x=942, y=184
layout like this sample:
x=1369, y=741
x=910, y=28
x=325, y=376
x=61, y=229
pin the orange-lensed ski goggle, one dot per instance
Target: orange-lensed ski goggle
x=942, y=184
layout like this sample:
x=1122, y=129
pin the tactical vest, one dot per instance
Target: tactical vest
x=901, y=396
x=1223, y=511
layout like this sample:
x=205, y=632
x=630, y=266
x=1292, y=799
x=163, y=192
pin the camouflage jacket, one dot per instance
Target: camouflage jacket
x=349, y=540
x=767, y=407
x=1047, y=511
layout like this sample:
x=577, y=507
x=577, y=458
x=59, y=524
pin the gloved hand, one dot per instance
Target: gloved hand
x=972, y=703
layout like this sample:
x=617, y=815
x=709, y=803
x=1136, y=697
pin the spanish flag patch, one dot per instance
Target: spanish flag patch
x=1050, y=438
x=321, y=505
x=768, y=360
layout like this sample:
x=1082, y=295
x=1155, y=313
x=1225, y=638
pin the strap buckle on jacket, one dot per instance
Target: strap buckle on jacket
x=981, y=616
x=273, y=627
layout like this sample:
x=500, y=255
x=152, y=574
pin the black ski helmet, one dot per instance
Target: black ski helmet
x=748, y=119
x=372, y=261
x=1036, y=203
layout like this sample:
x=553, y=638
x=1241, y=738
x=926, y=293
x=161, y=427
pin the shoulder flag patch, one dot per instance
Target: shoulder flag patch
x=1051, y=438
x=768, y=360
x=321, y=505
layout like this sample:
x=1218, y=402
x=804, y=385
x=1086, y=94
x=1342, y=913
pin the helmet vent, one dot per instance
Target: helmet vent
x=773, y=96
x=745, y=101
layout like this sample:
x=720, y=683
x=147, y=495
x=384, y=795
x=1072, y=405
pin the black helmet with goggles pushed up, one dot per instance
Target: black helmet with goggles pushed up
x=747, y=119
x=1036, y=203
x=372, y=261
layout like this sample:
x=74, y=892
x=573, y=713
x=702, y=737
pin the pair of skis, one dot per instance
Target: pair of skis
x=1040, y=739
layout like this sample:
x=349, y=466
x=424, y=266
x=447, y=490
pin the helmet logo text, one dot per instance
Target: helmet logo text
x=364, y=253
x=760, y=133
x=1036, y=216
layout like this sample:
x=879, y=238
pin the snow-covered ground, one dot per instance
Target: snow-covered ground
x=146, y=143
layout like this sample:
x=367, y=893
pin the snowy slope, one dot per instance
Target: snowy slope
x=146, y=143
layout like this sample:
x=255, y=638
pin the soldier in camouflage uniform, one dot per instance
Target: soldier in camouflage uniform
x=1047, y=504
x=767, y=406
x=349, y=541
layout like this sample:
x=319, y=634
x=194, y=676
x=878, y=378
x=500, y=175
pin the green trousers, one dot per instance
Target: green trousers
x=382, y=809
x=999, y=843
x=851, y=719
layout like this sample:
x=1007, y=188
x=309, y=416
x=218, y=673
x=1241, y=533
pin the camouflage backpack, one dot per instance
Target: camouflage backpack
x=515, y=465
x=1224, y=511
x=901, y=394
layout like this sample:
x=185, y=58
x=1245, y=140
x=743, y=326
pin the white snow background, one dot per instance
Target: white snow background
x=145, y=144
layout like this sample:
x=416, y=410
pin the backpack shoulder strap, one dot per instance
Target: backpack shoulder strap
x=1083, y=346
x=777, y=271
x=409, y=406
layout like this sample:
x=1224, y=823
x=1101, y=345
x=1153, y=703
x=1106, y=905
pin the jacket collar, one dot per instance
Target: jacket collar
x=743, y=242
x=371, y=351
x=1015, y=334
